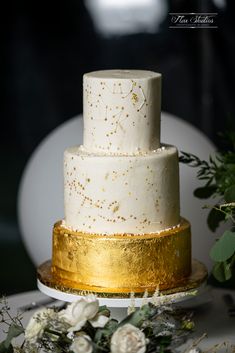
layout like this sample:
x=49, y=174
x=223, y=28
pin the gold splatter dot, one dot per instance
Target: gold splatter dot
x=134, y=98
x=116, y=208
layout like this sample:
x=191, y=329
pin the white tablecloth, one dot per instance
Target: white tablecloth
x=211, y=316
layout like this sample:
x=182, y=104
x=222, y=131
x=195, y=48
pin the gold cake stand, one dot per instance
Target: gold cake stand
x=67, y=291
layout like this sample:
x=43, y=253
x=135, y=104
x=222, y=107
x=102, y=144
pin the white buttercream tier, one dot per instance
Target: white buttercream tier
x=110, y=194
x=121, y=111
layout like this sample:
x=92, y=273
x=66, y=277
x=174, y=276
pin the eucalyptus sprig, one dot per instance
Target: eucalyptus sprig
x=12, y=325
x=219, y=176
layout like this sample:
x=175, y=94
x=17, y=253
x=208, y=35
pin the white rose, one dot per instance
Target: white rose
x=81, y=344
x=37, y=324
x=99, y=321
x=128, y=339
x=76, y=314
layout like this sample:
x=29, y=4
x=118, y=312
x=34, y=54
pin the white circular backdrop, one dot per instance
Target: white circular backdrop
x=40, y=199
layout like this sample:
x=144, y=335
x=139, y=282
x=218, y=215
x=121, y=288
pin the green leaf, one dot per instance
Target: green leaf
x=224, y=248
x=102, y=308
x=6, y=349
x=138, y=316
x=14, y=331
x=205, y=191
x=106, y=331
x=160, y=344
x=214, y=218
x=229, y=195
x=222, y=271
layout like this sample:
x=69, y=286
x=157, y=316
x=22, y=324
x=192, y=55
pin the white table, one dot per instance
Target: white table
x=210, y=317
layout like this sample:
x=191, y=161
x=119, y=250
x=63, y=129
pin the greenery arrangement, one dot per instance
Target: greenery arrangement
x=219, y=176
x=86, y=327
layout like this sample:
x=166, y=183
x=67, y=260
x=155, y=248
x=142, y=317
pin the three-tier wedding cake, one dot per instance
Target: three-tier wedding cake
x=122, y=230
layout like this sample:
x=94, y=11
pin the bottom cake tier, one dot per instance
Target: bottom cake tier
x=121, y=263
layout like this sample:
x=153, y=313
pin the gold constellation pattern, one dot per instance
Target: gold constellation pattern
x=116, y=116
x=117, y=89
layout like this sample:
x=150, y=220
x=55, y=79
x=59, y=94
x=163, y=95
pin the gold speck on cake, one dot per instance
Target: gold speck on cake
x=134, y=98
x=116, y=208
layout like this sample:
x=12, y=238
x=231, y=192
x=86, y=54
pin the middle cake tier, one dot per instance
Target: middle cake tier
x=109, y=194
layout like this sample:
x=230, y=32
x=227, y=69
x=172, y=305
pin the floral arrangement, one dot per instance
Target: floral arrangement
x=219, y=176
x=85, y=327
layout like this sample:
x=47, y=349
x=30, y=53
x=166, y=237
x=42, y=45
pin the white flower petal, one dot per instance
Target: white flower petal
x=99, y=321
x=79, y=325
x=76, y=314
x=91, y=309
x=37, y=323
x=81, y=344
x=128, y=338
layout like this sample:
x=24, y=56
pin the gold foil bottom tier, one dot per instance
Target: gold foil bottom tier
x=121, y=263
x=197, y=277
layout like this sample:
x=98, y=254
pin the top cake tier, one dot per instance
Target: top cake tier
x=121, y=111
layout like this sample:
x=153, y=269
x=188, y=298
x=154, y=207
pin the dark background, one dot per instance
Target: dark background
x=46, y=48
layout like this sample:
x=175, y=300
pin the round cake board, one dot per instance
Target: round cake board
x=190, y=287
x=126, y=302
